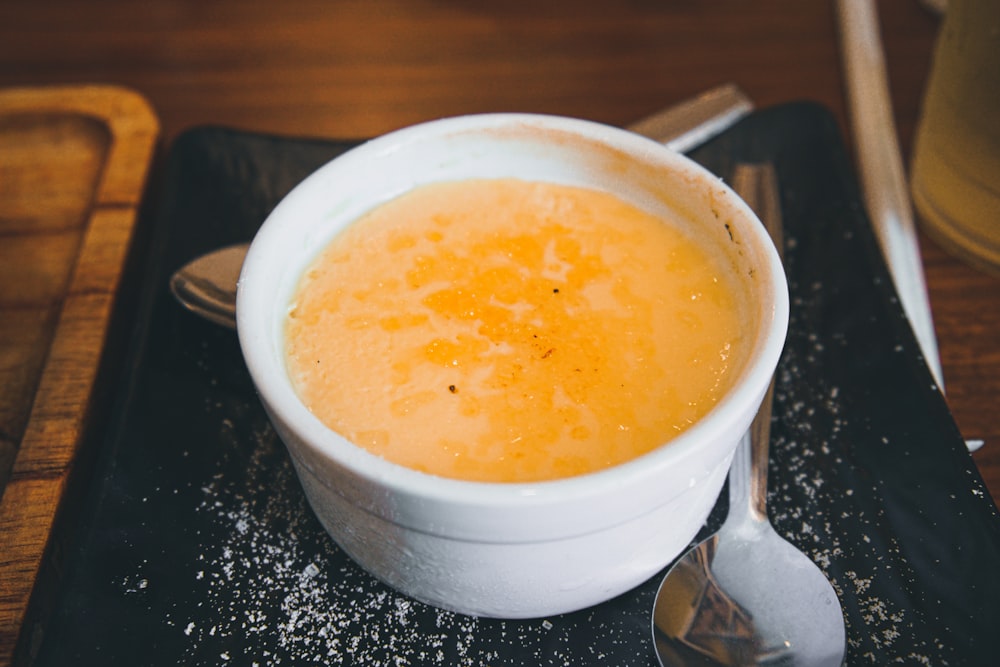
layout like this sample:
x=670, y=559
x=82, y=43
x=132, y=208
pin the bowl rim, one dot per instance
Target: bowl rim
x=279, y=396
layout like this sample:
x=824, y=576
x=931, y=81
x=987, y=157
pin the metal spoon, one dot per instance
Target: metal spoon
x=746, y=596
x=207, y=285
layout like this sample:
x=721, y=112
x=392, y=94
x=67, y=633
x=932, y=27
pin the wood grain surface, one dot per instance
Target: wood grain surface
x=357, y=68
x=73, y=164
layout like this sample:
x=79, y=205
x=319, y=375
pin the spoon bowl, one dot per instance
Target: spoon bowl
x=746, y=596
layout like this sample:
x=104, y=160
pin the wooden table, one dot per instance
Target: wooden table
x=357, y=68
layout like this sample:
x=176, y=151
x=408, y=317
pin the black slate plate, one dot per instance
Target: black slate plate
x=194, y=545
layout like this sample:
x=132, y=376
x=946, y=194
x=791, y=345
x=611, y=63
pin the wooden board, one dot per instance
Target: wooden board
x=73, y=165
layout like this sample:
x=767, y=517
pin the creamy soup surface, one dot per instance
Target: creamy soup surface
x=513, y=331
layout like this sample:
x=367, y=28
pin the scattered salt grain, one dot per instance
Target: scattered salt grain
x=278, y=593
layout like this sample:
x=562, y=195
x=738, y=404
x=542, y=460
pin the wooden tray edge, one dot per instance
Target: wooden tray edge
x=62, y=402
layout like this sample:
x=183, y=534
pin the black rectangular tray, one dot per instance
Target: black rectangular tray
x=192, y=542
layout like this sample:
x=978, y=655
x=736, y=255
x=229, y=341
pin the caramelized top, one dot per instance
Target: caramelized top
x=503, y=330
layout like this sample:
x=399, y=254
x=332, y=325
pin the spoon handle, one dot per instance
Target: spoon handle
x=757, y=185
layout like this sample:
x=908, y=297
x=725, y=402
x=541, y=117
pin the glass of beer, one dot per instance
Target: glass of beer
x=955, y=173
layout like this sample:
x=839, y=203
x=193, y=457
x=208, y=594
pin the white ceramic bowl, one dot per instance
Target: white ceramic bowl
x=508, y=550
